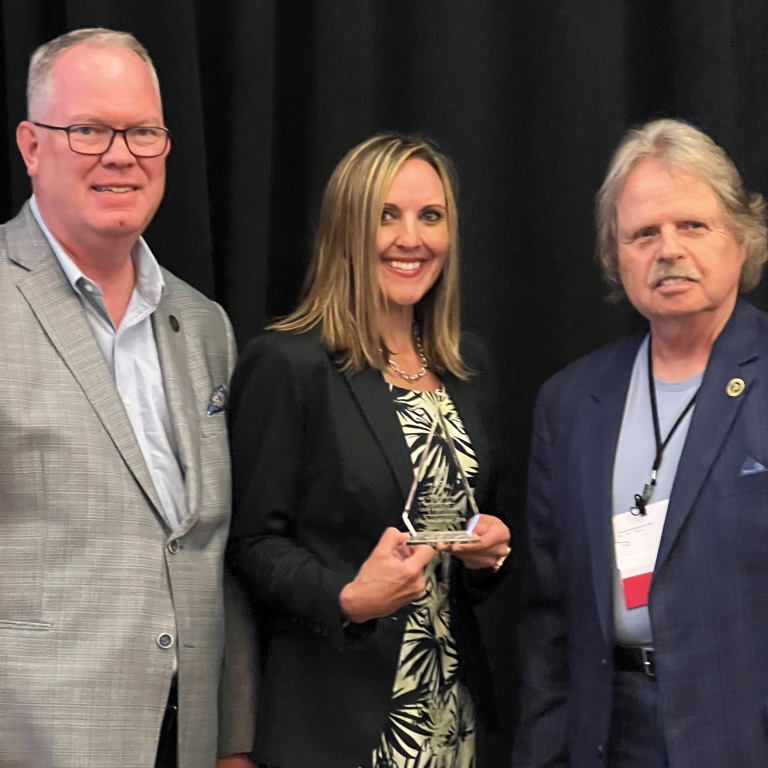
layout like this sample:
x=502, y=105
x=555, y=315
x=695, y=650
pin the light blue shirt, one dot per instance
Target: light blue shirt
x=632, y=469
x=131, y=354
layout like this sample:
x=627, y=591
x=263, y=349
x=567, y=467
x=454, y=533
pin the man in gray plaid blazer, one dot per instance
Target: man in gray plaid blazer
x=114, y=466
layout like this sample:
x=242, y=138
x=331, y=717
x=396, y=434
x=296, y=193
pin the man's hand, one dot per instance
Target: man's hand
x=235, y=761
x=391, y=577
x=489, y=552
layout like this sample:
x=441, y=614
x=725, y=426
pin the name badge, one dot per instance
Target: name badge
x=636, y=539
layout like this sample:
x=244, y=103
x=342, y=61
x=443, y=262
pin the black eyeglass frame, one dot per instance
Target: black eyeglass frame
x=68, y=128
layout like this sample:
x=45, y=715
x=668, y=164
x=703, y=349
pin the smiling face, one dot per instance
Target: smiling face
x=86, y=200
x=677, y=256
x=412, y=238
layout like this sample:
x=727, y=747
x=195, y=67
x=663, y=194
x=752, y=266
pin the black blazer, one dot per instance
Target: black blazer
x=320, y=469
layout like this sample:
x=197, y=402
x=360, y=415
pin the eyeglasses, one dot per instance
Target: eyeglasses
x=94, y=139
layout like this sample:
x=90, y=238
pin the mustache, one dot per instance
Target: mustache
x=662, y=270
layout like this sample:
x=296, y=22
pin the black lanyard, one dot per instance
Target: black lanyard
x=641, y=500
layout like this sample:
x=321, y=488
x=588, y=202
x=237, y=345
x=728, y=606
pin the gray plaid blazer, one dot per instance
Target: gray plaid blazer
x=90, y=576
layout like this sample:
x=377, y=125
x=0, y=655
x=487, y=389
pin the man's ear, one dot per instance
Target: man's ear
x=27, y=141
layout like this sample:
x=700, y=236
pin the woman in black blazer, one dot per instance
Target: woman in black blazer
x=371, y=653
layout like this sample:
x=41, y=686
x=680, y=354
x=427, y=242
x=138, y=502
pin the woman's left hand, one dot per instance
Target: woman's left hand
x=492, y=549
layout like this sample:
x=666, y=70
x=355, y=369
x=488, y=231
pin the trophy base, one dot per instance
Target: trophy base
x=443, y=537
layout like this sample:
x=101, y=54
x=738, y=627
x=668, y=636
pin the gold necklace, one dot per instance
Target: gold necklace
x=421, y=372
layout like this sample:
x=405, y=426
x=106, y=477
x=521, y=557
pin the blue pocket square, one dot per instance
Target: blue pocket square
x=218, y=401
x=751, y=467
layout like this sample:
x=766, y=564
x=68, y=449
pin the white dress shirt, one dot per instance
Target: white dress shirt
x=131, y=354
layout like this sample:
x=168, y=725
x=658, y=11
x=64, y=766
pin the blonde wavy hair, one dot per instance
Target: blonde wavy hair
x=342, y=292
x=681, y=145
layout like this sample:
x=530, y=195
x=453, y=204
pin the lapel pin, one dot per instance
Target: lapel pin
x=735, y=387
x=174, y=323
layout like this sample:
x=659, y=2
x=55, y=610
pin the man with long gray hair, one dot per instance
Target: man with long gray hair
x=644, y=623
x=114, y=466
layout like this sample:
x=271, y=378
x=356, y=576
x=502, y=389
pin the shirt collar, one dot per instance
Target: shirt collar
x=149, y=277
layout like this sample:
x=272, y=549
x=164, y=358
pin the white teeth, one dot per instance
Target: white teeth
x=672, y=280
x=116, y=190
x=407, y=266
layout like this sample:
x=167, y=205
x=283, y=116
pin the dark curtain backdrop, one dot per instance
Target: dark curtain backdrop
x=530, y=98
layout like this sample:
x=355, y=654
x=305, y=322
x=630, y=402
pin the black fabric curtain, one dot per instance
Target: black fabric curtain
x=264, y=97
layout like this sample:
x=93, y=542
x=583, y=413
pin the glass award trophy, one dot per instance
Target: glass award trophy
x=440, y=508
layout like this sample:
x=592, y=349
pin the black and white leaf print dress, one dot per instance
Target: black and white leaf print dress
x=432, y=721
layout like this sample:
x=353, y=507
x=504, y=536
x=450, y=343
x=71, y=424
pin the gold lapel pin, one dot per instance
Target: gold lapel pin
x=735, y=387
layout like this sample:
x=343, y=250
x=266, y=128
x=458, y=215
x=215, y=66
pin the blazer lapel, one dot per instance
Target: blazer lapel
x=59, y=311
x=373, y=396
x=732, y=356
x=180, y=395
x=599, y=423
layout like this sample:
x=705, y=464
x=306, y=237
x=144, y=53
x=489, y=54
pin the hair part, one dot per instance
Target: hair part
x=680, y=145
x=341, y=291
x=42, y=61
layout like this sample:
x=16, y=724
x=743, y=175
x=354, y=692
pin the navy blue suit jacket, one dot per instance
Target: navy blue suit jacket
x=709, y=595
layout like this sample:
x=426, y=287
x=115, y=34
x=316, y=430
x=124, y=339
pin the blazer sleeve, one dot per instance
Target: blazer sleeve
x=231, y=343
x=541, y=739
x=267, y=424
x=239, y=679
x=477, y=585
x=238, y=686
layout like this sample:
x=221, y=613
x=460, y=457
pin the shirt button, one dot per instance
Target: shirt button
x=604, y=662
x=165, y=640
x=173, y=547
x=600, y=750
x=127, y=400
x=89, y=288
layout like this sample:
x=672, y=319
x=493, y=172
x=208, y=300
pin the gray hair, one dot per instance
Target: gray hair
x=677, y=143
x=43, y=59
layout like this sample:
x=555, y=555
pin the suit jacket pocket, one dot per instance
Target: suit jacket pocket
x=214, y=425
x=23, y=535
x=756, y=483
